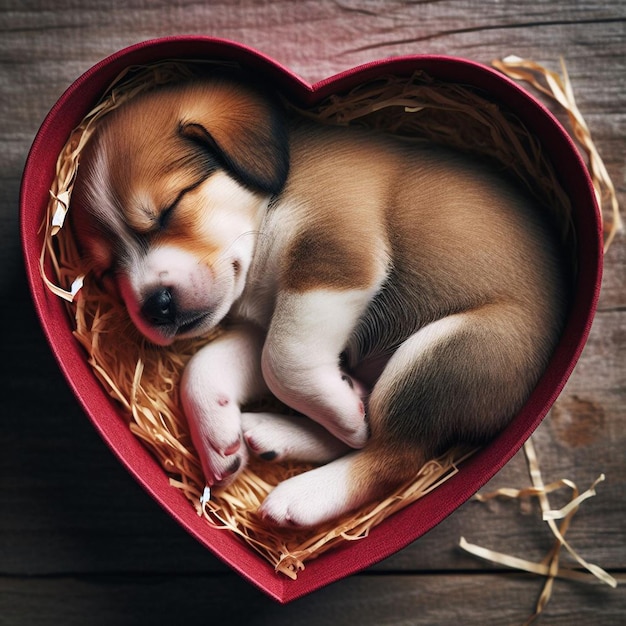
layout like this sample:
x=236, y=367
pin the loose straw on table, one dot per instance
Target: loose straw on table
x=560, y=89
x=550, y=566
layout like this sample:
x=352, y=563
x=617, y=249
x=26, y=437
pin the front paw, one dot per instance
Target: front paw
x=323, y=393
x=214, y=422
x=218, y=379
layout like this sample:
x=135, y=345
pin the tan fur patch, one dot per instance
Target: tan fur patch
x=379, y=469
x=321, y=259
x=342, y=242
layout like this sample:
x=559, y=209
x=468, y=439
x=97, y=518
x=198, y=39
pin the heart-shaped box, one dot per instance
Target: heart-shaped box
x=410, y=523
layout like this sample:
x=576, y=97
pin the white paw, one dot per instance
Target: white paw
x=215, y=428
x=275, y=437
x=312, y=498
x=216, y=381
x=322, y=392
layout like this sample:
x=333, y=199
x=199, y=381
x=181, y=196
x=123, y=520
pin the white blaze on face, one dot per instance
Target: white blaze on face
x=204, y=265
x=230, y=220
x=179, y=270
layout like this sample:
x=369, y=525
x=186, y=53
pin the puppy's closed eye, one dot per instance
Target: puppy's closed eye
x=165, y=216
x=168, y=212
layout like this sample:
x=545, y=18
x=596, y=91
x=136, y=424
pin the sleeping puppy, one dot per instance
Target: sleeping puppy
x=402, y=298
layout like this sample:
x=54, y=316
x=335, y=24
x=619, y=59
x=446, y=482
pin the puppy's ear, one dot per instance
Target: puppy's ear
x=245, y=130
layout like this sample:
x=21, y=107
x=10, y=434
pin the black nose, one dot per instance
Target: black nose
x=159, y=308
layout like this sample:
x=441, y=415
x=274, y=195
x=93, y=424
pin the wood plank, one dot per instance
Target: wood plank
x=478, y=600
x=339, y=34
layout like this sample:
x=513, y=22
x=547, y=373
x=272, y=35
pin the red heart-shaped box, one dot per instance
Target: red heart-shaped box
x=412, y=522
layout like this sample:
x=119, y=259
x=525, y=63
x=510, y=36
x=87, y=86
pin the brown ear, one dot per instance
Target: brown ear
x=245, y=130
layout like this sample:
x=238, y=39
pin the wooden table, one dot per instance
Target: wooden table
x=81, y=543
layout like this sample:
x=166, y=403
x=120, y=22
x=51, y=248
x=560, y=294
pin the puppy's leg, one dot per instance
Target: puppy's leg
x=216, y=382
x=301, y=359
x=333, y=490
x=314, y=497
x=275, y=437
x=456, y=380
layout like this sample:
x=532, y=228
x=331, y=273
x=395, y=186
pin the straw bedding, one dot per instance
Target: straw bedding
x=144, y=378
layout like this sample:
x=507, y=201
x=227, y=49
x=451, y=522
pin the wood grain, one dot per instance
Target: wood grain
x=369, y=600
x=81, y=543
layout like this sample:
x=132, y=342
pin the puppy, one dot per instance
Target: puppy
x=402, y=298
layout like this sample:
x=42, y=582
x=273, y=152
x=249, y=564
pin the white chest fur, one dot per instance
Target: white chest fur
x=276, y=232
